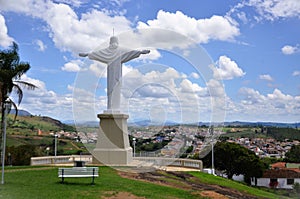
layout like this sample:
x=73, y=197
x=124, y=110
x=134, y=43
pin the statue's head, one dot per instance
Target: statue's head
x=113, y=42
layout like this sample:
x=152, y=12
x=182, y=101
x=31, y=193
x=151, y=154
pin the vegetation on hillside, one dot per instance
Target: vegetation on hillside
x=235, y=159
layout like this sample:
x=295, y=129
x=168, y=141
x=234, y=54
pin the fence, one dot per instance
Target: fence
x=152, y=161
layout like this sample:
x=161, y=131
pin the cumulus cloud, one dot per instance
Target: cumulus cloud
x=227, y=69
x=72, y=66
x=288, y=50
x=200, y=30
x=5, y=40
x=172, y=89
x=276, y=105
x=69, y=31
x=44, y=101
x=266, y=77
x=194, y=75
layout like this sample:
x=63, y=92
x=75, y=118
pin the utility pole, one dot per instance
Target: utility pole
x=6, y=109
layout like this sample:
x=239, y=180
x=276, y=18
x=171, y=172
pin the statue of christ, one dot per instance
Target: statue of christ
x=114, y=56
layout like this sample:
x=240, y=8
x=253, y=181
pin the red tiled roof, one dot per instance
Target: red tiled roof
x=278, y=165
x=282, y=173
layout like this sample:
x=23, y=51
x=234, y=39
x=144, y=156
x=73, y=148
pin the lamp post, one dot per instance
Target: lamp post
x=133, y=142
x=55, y=147
x=6, y=109
x=211, y=131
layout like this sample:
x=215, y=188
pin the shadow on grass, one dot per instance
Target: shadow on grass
x=73, y=183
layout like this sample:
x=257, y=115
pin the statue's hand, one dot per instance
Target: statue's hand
x=145, y=51
x=83, y=54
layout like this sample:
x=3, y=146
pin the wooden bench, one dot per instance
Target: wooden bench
x=78, y=172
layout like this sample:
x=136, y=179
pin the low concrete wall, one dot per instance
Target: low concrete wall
x=48, y=160
x=152, y=161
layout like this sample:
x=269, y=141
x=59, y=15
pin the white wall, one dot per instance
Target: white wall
x=282, y=183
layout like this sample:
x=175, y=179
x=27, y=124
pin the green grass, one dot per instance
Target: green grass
x=38, y=183
x=42, y=182
x=209, y=179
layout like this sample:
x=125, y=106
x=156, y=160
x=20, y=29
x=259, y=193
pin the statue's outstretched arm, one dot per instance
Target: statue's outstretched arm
x=83, y=54
x=145, y=51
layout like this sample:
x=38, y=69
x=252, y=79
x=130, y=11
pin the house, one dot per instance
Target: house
x=278, y=176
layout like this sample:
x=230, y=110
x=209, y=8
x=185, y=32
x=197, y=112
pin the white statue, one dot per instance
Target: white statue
x=114, y=56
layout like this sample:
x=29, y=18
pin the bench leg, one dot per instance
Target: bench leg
x=62, y=178
x=93, y=181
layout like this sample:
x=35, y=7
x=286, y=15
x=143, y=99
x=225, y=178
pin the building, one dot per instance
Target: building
x=279, y=176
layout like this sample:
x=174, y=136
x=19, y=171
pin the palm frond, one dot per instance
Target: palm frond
x=27, y=85
x=15, y=107
x=19, y=93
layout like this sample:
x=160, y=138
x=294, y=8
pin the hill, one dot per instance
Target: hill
x=31, y=125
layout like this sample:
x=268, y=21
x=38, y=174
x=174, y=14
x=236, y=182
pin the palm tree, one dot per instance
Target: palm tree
x=11, y=70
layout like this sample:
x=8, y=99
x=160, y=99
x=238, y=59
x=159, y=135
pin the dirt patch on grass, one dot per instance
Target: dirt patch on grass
x=212, y=195
x=120, y=195
x=186, y=181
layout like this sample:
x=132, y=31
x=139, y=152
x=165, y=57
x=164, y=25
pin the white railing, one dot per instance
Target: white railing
x=48, y=160
x=178, y=162
x=149, y=161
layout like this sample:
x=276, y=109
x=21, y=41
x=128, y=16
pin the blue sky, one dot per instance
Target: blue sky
x=246, y=64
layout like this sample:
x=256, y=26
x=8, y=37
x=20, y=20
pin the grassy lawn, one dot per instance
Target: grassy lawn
x=207, y=178
x=42, y=182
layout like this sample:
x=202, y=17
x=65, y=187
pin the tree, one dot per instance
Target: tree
x=22, y=154
x=293, y=155
x=235, y=159
x=11, y=70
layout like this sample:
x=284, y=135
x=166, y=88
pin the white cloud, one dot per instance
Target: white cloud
x=5, y=40
x=99, y=69
x=215, y=88
x=42, y=101
x=273, y=9
x=275, y=106
x=75, y=3
x=288, y=50
x=251, y=96
x=227, y=69
x=200, y=30
x=68, y=31
x=296, y=73
x=72, y=66
x=266, y=77
x=41, y=46
x=194, y=75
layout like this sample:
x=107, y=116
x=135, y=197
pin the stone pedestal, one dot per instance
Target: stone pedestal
x=112, y=146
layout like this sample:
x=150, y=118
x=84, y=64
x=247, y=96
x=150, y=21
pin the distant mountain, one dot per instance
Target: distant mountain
x=20, y=112
x=234, y=123
x=152, y=123
x=265, y=124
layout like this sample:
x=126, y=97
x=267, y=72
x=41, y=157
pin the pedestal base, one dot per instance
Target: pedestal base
x=110, y=157
x=112, y=146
